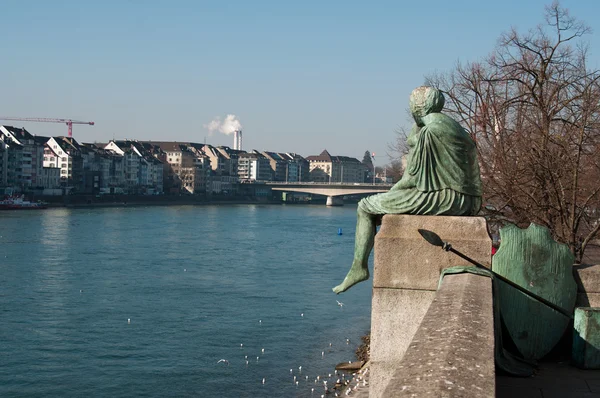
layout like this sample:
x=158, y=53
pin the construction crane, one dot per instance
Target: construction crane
x=68, y=122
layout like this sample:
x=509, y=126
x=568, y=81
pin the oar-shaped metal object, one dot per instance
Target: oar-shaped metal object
x=435, y=240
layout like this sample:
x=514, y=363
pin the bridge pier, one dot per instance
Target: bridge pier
x=335, y=201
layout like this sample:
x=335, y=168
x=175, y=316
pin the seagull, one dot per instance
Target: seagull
x=340, y=304
x=223, y=360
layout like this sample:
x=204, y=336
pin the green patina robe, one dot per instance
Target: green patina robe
x=441, y=176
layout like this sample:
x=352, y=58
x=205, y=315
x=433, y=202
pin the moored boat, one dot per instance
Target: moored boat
x=18, y=203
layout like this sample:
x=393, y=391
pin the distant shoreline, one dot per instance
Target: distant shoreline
x=75, y=202
x=92, y=201
x=139, y=204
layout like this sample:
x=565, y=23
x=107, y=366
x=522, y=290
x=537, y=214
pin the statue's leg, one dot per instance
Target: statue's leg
x=363, y=244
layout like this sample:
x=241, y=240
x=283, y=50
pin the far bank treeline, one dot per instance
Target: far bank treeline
x=533, y=108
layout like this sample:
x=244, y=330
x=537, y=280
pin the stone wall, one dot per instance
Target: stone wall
x=446, y=348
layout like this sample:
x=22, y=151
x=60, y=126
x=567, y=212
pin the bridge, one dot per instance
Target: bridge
x=333, y=190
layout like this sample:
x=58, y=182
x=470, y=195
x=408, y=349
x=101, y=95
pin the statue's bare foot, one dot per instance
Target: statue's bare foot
x=355, y=275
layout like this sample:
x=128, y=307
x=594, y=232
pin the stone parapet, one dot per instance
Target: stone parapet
x=405, y=279
x=452, y=352
x=404, y=260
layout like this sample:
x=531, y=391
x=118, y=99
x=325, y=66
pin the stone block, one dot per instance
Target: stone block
x=404, y=260
x=587, y=278
x=586, y=338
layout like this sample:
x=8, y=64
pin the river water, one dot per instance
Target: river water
x=144, y=301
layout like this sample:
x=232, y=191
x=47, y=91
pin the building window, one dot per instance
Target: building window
x=64, y=159
x=63, y=172
x=63, y=165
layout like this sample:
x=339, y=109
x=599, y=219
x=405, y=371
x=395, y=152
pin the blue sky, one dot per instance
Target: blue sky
x=301, y=76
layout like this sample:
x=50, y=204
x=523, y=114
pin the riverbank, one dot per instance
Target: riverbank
x=352, y=377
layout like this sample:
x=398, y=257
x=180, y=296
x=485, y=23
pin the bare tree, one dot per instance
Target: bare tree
x=394, y=170
x=533, y=108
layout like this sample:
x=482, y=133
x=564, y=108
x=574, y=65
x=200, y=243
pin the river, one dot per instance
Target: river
x=145, y=301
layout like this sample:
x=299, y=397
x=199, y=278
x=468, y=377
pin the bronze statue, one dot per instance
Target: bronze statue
x=441, y=178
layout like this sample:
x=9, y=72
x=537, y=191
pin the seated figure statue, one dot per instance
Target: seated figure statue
x=441, y=178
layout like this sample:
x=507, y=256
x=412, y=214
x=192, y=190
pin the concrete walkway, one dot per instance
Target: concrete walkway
x=552, y=380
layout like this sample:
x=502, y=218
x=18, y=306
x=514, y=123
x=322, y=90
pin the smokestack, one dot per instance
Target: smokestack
x=237, y=140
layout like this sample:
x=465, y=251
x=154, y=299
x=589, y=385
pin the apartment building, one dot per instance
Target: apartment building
x=188, y=167
x=65, y=153
x=231, y=159
x=3, y=163
x=277, y=163
x=297, y=168
x=29, y=162
x=327, y=168
x=254, y=167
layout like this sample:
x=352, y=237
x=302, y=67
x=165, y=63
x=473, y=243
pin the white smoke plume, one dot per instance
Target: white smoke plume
x=227, y=126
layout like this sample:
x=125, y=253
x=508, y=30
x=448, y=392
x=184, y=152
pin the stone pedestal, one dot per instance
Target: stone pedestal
x=405, y=279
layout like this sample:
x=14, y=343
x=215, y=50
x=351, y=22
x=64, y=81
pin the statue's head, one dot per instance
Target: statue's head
x=425, y=100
